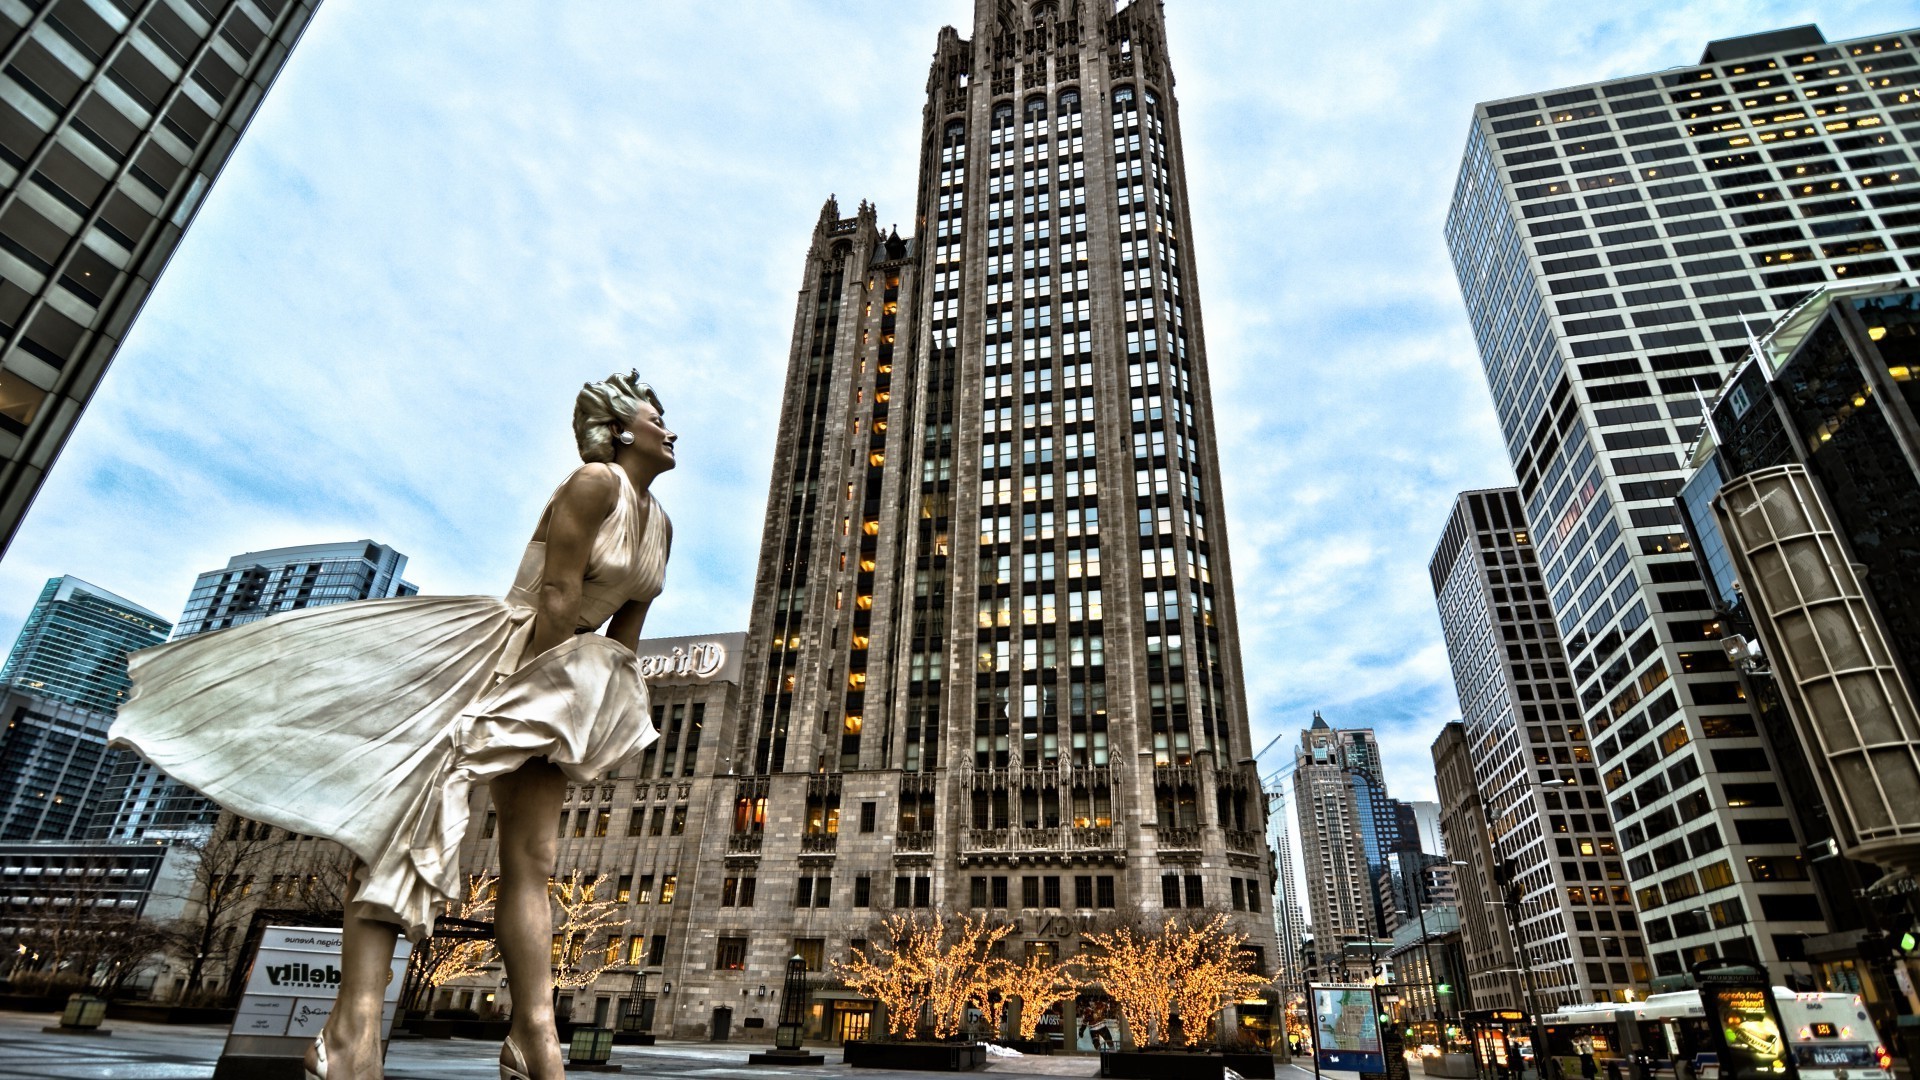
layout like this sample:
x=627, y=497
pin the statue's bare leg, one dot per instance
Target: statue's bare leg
x=366, y=962
x=528, y=800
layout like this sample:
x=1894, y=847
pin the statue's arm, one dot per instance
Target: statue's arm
x=579, y=510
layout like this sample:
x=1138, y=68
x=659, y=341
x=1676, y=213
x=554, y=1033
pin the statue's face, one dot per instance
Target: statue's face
x=651, y=438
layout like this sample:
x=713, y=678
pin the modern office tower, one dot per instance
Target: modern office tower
x=252, y=586
x=1486, y=937
x=115, y=119
x=1340, y=797
x=994, y=577
x=63, y=680
x=1289, y=922
x=1532, y=764
x=1613, y=241
x=73, y=646
x=1805, y=505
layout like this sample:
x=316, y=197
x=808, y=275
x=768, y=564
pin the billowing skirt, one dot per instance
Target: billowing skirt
x=369, y=724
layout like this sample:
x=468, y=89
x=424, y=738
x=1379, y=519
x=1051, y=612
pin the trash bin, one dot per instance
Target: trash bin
x=590, y=1046
x=83, y=1011
x=722, y=1023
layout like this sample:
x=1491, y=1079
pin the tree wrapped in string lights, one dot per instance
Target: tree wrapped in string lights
x=582, y=931
x=1213, y=970
x=1191, y=969
x=890, y=973
x=937, y=962
x=1136, y=971
x=1039, y=984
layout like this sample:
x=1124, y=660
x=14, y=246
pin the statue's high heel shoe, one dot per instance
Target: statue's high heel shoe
x=318, y=1070
x=518, y=1069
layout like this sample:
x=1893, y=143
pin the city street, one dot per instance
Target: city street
x=137, y=1051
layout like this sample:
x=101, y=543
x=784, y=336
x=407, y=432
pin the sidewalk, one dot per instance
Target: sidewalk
x=142, y=1051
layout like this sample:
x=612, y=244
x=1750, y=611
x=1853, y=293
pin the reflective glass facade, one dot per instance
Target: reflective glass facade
x=74, y=645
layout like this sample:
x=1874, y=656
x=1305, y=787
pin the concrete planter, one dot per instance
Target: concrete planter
x=917, y=1056
x=1182, y=1065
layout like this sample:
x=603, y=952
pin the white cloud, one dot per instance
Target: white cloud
x=448, y=215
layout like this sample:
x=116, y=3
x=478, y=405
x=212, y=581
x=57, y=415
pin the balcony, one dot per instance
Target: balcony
x=1091, y=838
x=980, y=840
x=744, y=843
x=920, y=841
x=1246, y=841
x=819, y=843
x=1179, y=838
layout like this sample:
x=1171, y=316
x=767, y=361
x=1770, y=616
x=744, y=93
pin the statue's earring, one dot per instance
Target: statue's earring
x=626, y=438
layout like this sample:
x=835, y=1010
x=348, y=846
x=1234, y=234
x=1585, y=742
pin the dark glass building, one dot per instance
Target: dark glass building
x=115, y=118
x=63, y=680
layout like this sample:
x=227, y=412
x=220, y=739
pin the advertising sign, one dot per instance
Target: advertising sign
x=1346, y=1030
x=294, y=980
x=1743, y=1012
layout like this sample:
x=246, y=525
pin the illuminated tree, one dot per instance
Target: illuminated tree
x=1137, y=971
x=960, y=971
x=1039, y=984
x=1212, y=970
x=935, y=963
x=581, y=937
x=438, y=961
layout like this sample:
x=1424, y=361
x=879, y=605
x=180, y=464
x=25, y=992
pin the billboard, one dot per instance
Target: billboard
x=1346, y=1029
x=1742, y=1010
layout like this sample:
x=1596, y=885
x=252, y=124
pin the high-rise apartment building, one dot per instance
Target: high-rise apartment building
x=151, y=805
x=1612, y=241
x=63, y=680
x=994, y=584
x=1532, y=764
x=1340, y=797
x=115, y=118
x=73, y=646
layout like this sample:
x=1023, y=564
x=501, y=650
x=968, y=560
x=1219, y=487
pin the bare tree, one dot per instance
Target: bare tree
x=222, y=869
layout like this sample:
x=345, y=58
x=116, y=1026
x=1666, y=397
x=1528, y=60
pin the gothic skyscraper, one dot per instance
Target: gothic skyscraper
x=994, y=594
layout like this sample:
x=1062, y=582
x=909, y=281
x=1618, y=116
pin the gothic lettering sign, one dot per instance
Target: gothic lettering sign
x=713, y=658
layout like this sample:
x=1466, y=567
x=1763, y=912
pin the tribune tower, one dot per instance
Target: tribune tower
x=993, y=598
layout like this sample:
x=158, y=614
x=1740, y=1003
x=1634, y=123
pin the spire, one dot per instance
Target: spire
x=1318, y=723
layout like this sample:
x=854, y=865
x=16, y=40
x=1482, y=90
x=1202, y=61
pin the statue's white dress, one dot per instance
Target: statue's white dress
x=369, y=723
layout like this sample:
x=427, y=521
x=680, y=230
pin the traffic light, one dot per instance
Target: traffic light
x=1906, y=943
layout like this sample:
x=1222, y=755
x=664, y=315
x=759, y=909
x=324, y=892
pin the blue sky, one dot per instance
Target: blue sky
x=450, y=214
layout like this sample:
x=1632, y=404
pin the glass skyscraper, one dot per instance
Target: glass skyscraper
x=74, y=644
x=252, y=586
x=115, y=118
x=1614, y=241
x=63, y=680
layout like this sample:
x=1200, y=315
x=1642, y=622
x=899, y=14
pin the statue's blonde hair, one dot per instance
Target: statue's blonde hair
x=603, y=405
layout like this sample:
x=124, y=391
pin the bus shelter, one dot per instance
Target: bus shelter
x=1502, y=1041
